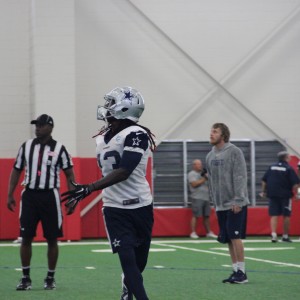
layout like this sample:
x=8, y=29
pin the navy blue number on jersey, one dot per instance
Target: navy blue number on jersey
x=107, y=155
x=115, y=155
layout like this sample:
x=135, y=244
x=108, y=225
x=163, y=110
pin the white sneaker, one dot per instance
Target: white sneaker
x=18, y=240
x=274, y=238
x=194, y=235
x=211, y=235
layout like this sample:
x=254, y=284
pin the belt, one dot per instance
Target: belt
x=39, y=190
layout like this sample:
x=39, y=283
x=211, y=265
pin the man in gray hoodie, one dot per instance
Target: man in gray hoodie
x=227, y=177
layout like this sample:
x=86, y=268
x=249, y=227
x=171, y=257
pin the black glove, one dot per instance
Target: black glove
x=204, y=173
x=73, y=197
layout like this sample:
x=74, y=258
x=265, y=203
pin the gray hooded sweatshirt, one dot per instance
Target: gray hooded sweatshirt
x=227, y=177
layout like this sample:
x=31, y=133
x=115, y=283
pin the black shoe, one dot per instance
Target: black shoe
x=287, y=240
x=228, y=280
x=49, y=283
x=239, y=277
x=24, y=284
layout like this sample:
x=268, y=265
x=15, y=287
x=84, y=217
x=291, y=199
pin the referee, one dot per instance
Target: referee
x=42, y=158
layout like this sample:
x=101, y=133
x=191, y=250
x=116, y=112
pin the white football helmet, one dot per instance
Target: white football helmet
x=122, y=103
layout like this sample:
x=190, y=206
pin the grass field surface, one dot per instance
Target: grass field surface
x=178, y=269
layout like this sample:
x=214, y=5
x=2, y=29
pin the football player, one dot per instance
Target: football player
x=123, y=148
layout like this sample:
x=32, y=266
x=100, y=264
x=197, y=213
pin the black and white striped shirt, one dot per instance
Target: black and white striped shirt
x=42, y=163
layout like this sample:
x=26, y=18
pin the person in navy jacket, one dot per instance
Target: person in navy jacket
x=279, y=183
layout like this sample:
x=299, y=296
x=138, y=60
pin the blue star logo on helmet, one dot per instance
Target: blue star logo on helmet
x=128, y=95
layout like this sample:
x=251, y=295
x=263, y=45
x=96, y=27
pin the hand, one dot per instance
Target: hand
x=262, y=194
x=236, y=209
x=204, y=173
x=73, y=197
x=11, y=203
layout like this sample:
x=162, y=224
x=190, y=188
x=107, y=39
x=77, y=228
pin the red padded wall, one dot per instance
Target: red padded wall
x=168, y=221
x=9, y=221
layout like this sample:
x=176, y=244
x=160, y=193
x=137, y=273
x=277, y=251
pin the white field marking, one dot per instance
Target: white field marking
x=184, y=241
x=224, y=254
x=159, y=267
x=212, y=241
x=151, y=250
x=258, y=249
x=18, y=269
x=75, y=243
x=227, y=266
x=90, y=268
x=160, y=250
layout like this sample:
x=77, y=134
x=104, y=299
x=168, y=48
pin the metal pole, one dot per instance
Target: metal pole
x=185, y=192
x=253, y=172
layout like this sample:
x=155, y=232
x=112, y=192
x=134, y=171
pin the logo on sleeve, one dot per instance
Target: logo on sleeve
x=136, y=141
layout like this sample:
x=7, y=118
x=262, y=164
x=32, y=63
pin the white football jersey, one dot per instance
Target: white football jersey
x=135, y=191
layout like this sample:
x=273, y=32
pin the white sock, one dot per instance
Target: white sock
x=241, y=266
x=235, y=267
x=274, y=235
x=285, y=236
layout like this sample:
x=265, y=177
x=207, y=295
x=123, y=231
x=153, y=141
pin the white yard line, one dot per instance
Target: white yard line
x=225, y=254
x=257, y=249
x=170, y=244
x=182, y=241
x=151, y=250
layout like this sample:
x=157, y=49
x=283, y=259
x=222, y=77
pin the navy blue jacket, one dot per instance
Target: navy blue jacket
x=280, y=179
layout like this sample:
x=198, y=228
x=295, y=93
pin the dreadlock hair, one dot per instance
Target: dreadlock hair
x=126, y=123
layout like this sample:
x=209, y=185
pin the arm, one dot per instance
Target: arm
x=295, y=189
x=112, y=178
x=198, y=182
x=297, y=192
x=70, y=177
x=69, y=173
x=239, y=173
x=79, y=192
x=263, y=189
x=295, y=183
x=13, y=181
